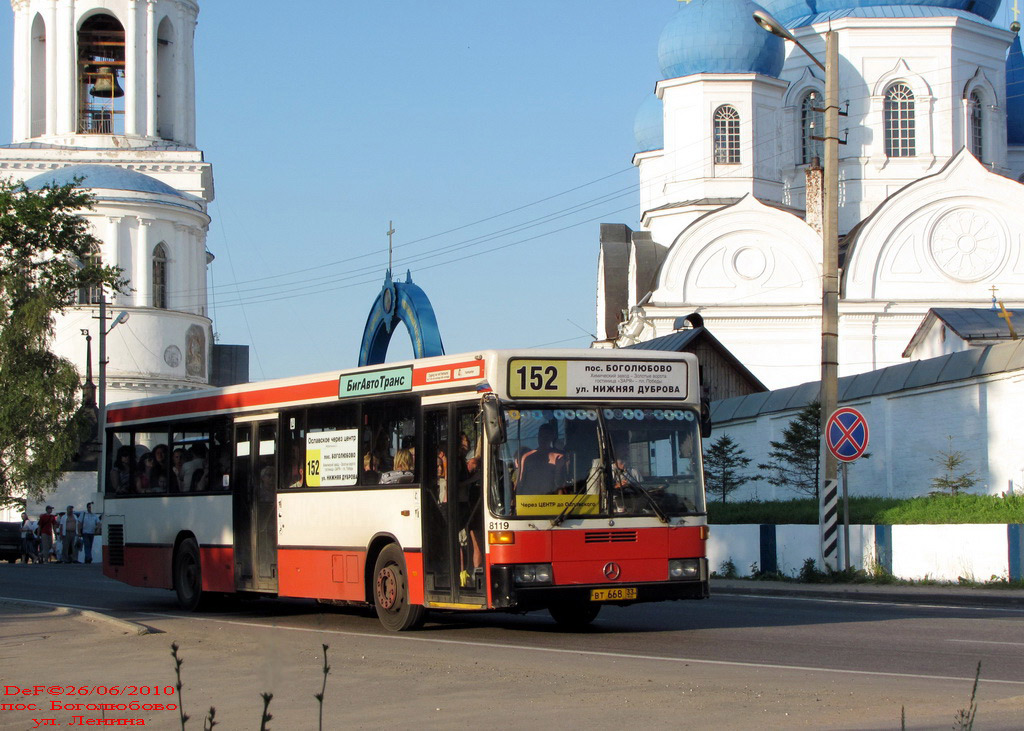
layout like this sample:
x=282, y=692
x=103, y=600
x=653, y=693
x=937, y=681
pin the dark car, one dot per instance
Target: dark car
x=10, y=541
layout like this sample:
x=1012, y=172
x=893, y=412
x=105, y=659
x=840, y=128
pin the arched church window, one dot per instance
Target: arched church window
x=727, y=135
x=100, y=67
x=167, y=92
x=900, y=134
x=160, y=276
x=37, y=88
x=977, y=125
x=90, y=294
x=812, y=124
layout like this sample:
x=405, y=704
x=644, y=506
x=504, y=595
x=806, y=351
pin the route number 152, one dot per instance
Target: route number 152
x=537, y=378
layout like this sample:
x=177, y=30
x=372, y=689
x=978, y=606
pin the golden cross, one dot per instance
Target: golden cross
x=1016, y=10
x=1006, y=315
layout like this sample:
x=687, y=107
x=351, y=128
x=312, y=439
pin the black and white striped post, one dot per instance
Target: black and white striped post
x=829, y=512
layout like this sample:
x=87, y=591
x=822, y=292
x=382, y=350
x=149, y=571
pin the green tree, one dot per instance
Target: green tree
x=724, y=462
x=46, y=255
x=953, y=479
x=793, y=462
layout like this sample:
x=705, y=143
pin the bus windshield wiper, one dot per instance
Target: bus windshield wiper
x=570, y=506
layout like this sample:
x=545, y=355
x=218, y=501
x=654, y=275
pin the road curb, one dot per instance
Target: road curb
x=1012, y=601
x=126, y=626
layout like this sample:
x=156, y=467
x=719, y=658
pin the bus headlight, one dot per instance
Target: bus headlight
x=685, y=569
x=532, y=574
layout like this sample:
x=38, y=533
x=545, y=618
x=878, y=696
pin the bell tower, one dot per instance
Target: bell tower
x=104, y=95
x=89, y=70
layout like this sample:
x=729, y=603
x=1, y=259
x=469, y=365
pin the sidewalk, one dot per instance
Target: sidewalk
x=928, y=594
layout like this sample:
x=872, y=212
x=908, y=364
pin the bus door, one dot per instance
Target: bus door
x=453, y=535
x=254, y=504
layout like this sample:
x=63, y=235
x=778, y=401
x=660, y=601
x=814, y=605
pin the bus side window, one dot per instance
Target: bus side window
x=388, y=442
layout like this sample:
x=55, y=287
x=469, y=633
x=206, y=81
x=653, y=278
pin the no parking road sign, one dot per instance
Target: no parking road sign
x=847, y=434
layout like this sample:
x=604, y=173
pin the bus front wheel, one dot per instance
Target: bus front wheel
x=188, y=575
x=391, y=592
x=574, y=615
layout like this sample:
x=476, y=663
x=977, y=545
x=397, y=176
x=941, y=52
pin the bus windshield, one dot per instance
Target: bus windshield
x=589, y=462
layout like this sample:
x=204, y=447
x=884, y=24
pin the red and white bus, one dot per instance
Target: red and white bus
x=502, y=480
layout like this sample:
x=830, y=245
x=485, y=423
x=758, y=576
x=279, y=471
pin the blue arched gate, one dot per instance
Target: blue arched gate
x=400, y=302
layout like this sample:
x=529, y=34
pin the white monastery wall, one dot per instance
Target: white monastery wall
x=912, y=552
x=908, y=431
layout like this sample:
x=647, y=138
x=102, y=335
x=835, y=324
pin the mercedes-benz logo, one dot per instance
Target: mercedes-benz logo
x=612, y=571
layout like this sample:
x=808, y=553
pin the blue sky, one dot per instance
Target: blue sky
x=496, y=136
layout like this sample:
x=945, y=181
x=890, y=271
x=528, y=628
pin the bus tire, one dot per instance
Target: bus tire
x=391, y=592
x=574, y=615
x=188, y=576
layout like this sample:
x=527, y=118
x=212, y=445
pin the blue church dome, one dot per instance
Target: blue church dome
x=788, y=11
x=1014, y=99
x=718, y=37
x=649, y=125
x=110, y=177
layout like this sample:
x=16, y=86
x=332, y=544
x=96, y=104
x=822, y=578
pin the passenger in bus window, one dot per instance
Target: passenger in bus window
x=442, y=476
x=162, y=475
x=517, y=464
x=296, y=465
x=196, y=463
x=144, y=474
x=470, y=498
x=403, y=471
x=201, y=477
x=371, y=467
x=177, y=467
x=542, y=470
x=120, y=473
x=265, y=490
x=623, y=475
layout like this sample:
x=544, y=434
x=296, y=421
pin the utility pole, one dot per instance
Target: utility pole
x=829, y=397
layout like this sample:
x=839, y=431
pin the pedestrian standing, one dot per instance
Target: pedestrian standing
x=91, y=528
x=70, y=530
x=28, y=539
x=47, y=532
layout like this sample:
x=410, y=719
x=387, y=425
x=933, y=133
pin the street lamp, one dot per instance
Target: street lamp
x=102, y=428
x=830, y=264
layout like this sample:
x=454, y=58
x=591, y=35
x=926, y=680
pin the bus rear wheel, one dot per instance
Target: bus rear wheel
x=574, y=615
x=188, y=576
x=391, y=592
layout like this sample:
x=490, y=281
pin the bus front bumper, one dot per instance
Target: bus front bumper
x=506, y=595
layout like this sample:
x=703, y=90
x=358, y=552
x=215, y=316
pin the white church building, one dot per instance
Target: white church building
x=104, y=95
x=930, y=198
x=104, y=91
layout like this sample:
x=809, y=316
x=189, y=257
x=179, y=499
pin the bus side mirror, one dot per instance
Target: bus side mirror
x=705, y=419
x=494, y=423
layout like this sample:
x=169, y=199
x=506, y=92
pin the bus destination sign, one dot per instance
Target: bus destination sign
x=597, y=379
x=392, y=380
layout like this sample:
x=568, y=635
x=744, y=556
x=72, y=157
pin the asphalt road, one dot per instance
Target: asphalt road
x=738, y=661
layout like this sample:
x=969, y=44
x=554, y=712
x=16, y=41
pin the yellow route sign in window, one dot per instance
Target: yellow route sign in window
x=592, y=379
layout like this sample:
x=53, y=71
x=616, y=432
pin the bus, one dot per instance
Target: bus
x=563, y=480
